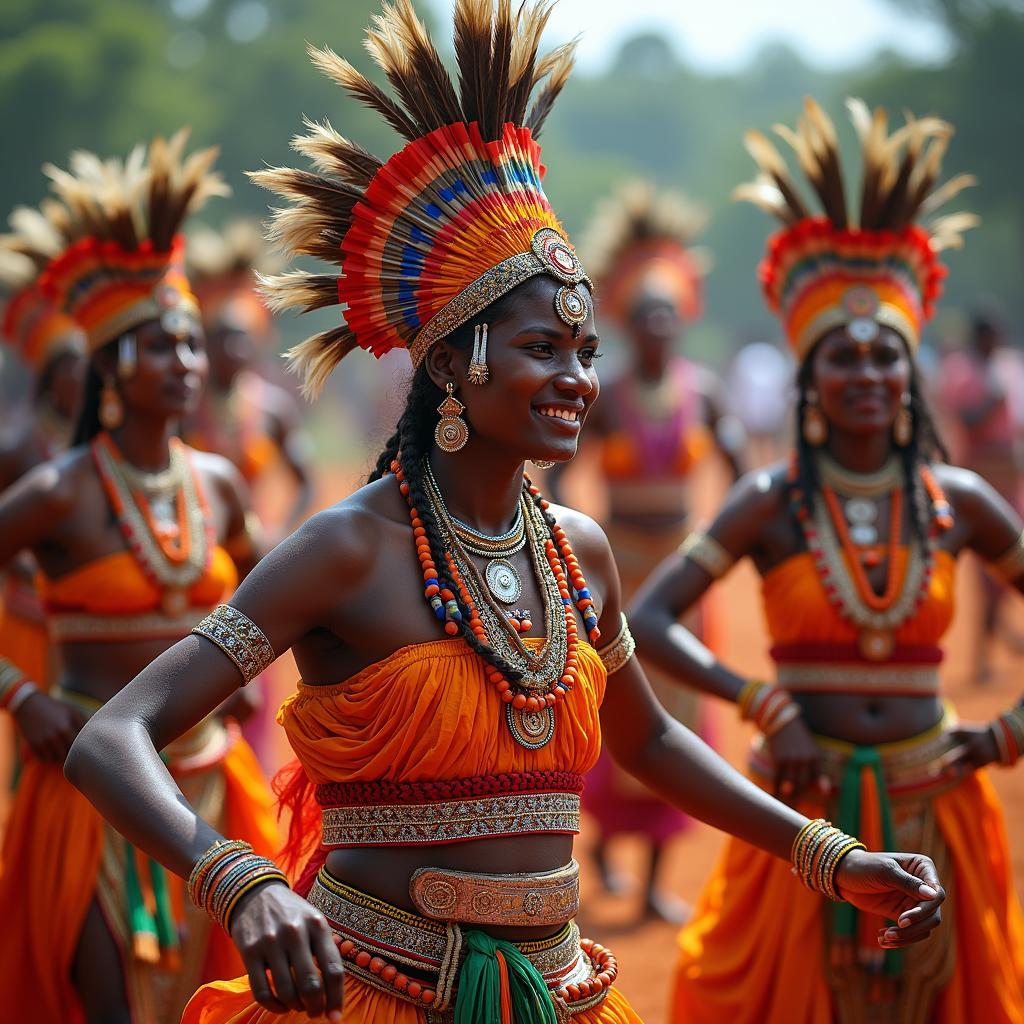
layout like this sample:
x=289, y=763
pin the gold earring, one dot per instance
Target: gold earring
x=814, y=426
x=451, y=432
x=479, y=373
x=111, y=411
x=903, y=428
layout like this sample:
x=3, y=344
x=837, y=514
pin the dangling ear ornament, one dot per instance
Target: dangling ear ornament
x=127, y=356
x=451, y=432
x=479, y=373
x=814, y=426
x=903, y=427
x=111, y=411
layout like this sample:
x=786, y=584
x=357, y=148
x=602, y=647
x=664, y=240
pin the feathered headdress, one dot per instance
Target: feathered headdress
x=222, y=269
x=32, y=323
x=639, y=242
x=457, y=218
x=123, y=255
x=861, y=265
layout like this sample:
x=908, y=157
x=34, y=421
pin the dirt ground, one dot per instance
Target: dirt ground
x=646, y=950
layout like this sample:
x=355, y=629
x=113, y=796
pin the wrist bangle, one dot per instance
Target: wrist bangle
x=19, y=694
x=1008, y=732
x=817, y=852
x=770, y=707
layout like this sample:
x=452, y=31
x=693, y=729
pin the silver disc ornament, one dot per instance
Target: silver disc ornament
x=503, y=581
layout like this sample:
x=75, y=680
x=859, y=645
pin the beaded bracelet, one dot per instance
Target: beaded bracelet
x=702, y=549
x=1008, y=731
x=224, y=874
x=770, y=707
x=817, y=852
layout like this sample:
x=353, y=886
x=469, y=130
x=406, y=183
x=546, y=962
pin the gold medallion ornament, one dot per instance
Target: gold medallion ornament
x=876, y=644
x=530, y=729
x=571, y=306
x=451, y=432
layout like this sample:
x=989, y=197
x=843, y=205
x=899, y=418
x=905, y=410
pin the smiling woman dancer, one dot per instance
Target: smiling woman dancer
x=129, y=530
x=856, y=541
x=443, y=736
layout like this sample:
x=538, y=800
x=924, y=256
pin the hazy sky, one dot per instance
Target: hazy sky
x=721, y=35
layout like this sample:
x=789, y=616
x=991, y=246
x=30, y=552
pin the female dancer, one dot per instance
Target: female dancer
x=447, y=771
x=51, y=346
x=129, y=529
x=658, y=422
x=856, y=541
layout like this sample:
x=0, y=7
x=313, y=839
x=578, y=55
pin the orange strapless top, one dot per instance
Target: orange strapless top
x=622, y=458
x=116, y=585
x=816, y=650
x=798, y=609
x=415, y=749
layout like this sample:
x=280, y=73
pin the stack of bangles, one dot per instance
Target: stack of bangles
x=15, y=687
x=769, y=707
x=1008, y=730
x=224, y=874
x=816, y=854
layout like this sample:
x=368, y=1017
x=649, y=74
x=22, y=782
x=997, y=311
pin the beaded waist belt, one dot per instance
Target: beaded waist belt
x=520, y=900
x=910, y=768
x=20, y=598
x=86, y=628
x=420, y=960
x=839, y=668
x=411, y=813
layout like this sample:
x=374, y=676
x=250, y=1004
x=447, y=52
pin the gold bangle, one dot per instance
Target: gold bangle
x=239, y=638
x=615, y=655
x=703, y=550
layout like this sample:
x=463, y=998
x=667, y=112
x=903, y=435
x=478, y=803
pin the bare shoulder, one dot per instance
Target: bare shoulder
x=220, y=471
x=762, y=492
x=55, y=487
x=588, y=539
x=964, y=489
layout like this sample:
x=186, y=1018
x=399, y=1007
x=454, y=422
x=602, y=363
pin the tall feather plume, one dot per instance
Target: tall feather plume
x=499, y=70
x=315, y=358
x=900, y=171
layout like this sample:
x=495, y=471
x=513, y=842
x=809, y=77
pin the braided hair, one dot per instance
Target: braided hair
x=411, y=442
x=925, y=446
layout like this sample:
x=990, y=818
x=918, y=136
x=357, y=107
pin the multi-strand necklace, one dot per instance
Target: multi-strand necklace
x=461, y=592
x=841, y=551
x=163, y=517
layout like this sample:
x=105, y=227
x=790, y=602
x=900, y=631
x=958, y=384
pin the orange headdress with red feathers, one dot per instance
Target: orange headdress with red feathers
x=453, y=221
x=31, y=322
x=859, y=267
x=123, y=257
x=639, y=243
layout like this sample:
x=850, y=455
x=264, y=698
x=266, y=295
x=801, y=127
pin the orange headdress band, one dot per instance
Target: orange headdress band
x=37, y=330
x=456, y=219
x=638, y=244
x=865, y=268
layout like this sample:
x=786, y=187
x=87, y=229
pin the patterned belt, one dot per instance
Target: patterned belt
x=910, y=768
x=407, y=814
x=84, y=628
x=521, y=900
x=889, y=680
x=387, y=935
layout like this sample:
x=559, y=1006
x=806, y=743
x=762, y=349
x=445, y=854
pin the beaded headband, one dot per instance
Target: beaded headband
x=456, y=219
x=639, y=244
x=864, y=267
x=122, y=262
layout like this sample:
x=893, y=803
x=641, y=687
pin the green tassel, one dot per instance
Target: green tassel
x=166, y=926
x=848, y=819
x=145, y=942
x=479, y=995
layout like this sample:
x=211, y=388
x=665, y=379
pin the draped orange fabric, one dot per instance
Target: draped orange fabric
x=749, y=955
x=52, y=852
x=116, y=585
x=798, y=611
x=424, y=713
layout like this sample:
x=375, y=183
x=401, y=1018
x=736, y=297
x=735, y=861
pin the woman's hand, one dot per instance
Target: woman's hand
x=278, y=932
x=48, y=726
x=797, y=760
x=903, y=887
x=975, y=747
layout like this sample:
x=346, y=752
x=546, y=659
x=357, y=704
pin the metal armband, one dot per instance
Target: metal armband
x=615, y=655
x=703, y=550
x=239, y=638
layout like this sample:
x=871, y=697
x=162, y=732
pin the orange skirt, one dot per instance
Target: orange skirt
x=57, y=860
x=754, y=952
x=230, y=1002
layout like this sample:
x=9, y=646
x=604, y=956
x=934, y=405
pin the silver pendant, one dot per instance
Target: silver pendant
x=860, y=510
x=863, y=535
x=503, y=581
x=531, y=729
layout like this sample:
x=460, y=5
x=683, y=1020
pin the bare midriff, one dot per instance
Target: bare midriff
x=867, y=720
x=385, y=872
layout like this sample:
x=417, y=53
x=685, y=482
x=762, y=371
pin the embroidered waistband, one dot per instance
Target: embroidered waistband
x=378, y=936
x=911, y=768
x=519, y=900
x=892, y=680
x=387, y=813
x=71, y=627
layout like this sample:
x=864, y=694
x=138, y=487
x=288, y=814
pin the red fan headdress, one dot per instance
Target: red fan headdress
x=426, y=240
x=876, y=263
